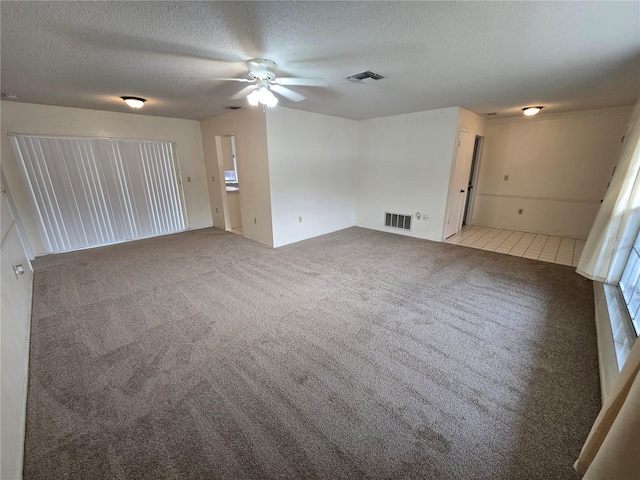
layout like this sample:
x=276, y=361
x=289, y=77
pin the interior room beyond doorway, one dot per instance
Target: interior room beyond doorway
x=232, y=210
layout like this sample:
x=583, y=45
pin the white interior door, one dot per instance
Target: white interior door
x=458, y=187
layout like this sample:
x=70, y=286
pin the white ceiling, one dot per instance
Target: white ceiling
x=484, y=56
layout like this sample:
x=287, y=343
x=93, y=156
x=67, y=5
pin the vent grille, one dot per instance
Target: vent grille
x=397, y=220
x=365, y=77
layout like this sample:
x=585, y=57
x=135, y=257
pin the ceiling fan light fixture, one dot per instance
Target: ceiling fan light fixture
x=134, y=102
x=262, y=95
x=266, y=97
x=272, y=102
x=252, y=98
x=530, y=111
x=266, y=85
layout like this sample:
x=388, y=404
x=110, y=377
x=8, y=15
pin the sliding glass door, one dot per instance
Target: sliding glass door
x=90, y=192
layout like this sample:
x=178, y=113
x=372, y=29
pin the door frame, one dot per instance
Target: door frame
x=219, y=149
x=473, y=177
x=450, y=190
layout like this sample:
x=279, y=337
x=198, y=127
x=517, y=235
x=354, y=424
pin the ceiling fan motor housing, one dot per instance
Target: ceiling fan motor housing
x=262, y=69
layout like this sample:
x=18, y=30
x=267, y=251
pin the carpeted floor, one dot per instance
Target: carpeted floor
x=358, y=354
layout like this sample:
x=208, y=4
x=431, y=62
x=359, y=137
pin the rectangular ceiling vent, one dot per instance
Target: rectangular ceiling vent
x=397, y=220
x=365, y=77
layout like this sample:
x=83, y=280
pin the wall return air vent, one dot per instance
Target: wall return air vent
x=397, y=220
x=365, y=77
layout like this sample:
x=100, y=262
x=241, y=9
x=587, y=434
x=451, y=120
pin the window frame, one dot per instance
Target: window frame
x=629, y=285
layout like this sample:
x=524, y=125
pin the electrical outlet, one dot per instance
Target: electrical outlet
x=255, y=220
x=300, y=219
x=213, y=179
x=506, y=177
x=519, y=211
x=216, y=210
x=188, y=179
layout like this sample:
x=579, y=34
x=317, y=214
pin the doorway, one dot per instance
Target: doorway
x=473, y=178
x=458, y=186
x=233, y=210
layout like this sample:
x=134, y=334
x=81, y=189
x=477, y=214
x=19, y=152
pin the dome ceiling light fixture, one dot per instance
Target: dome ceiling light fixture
x=134, y=102
x=530, y=111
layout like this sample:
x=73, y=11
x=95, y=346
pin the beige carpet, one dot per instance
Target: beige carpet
x=359, y=354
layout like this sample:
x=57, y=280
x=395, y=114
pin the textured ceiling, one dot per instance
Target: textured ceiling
x=484, y=56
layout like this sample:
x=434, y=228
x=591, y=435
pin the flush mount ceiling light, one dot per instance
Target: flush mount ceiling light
x=529, y=111
x=134, y=102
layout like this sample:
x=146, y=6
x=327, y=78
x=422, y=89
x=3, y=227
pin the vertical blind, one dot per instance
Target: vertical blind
x=90, y=192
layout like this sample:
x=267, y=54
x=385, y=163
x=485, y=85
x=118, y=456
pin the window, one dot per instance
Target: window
x=96, y=191
x=229, y=160
x=231, y=176
x=630, y=285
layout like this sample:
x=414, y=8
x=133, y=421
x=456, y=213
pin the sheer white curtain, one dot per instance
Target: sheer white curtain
x=612, y=450
x=616, y=225
x=89, y=192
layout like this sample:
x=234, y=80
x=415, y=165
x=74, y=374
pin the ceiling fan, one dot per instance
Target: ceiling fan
x=262, y=73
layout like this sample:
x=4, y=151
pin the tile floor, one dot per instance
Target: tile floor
x=547, y=248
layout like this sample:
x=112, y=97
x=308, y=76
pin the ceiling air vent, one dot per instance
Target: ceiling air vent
x=397, y=220
x=365, y=77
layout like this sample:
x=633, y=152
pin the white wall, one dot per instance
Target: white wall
x=404, y=166
x=558, y=165
x=235, y=215
x=28, y=118
x=14, y=344
x=249, y=128
x=311, y=168
x=471, y=122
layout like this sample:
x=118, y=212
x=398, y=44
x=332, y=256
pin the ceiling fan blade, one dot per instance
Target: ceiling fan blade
x=243, y=93
x=248, y=80
x=302, y=82
x=288, y=93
